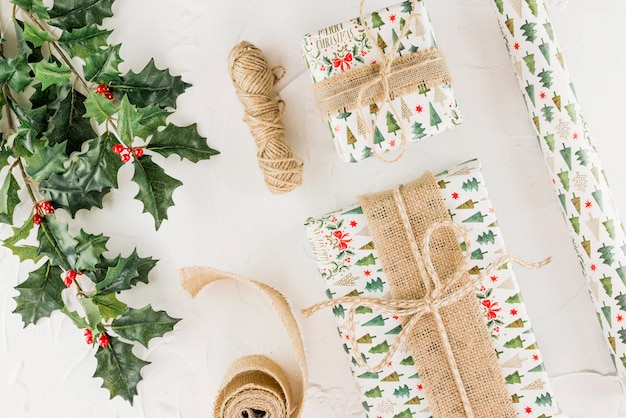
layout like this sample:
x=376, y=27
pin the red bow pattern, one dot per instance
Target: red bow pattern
x=492, y=308
x=343, y=63
x=343, y=239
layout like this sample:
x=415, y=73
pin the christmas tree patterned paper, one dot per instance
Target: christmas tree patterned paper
x=583, y=192
x=343, y=248
x=345, y=46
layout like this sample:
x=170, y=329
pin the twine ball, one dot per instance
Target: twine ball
x=254, y=82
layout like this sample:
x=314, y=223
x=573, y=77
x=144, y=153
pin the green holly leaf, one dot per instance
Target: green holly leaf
x=40, y=294
x=19, y=234
x=67, y=122
x=87, y=180
x=35, y=6
x=74, y=14
x=122, y=273
x=78, y=320
x=99, y=107
x=102, y=66
x=33, y=122
x=110, y=307
x=8, y=198
x=56, y=243
x=152, y=118
x=89, y=250
x=92, y=312
x=36, y=35
x=119, y=368
x=143, y=324
x=155, y=188
x=49, y=73
x=182, y=141
x=46, y=160
x=128, y=121
x=151, y=86
x=15, y=72
x=84, y=41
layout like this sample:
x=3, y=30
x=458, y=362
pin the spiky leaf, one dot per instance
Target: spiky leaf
x=122, y=274
x=56, y=243
x=35, y=6
x=89, y=250
x=102, y=66
x=49, y=73
x=8, y=198
x=46, y=160
x=40, y=294
x=36, y=35
x=119, y=368
x=110, y=307
x=99, y=107
x=67, y=122
x=70, y=15
x=151, y=86
x=14, y=72
x=143, y=324
x=182, y=141
x=84, y=41
x=155, y=188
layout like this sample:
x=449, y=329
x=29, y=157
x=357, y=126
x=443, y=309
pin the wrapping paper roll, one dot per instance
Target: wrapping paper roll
x=582, y=189
x=350, y=265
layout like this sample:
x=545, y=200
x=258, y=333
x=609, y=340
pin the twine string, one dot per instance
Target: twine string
x=254, y=82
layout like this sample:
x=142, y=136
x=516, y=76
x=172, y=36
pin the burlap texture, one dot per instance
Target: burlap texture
x=359, y=86
x=464, y=320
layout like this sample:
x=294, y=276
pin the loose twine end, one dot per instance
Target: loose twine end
x=254, y=82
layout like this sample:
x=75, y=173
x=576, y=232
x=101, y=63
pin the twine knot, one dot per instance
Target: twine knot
x=254, y=81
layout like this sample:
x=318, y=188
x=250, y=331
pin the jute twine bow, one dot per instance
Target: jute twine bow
x=438, y=295
x=255, y=386
x=383, y=81
x=254, y=82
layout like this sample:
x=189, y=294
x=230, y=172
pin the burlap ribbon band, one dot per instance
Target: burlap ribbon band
x=255, y=386
x=376, y=83
x=433, y=293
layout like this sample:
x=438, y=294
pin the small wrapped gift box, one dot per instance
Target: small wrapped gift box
x=381, y=81
x=346, y=247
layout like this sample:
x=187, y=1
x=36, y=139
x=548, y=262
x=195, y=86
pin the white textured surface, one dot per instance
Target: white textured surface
x=224, y=216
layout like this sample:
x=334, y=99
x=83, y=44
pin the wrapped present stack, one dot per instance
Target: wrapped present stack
x=349, y=262
x=381, y=81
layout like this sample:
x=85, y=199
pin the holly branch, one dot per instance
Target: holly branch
x=70, y=120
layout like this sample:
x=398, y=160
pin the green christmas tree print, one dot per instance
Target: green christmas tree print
x=533, y=7
x=545, y=399
x=486, y=238
x=516, y=298
x=530, y=90
x=545, y=51
x=407, y=6
x=513, y=378
x=582, y=157
x=350, y=138
x=606, y=254
x=367, y=152
x=514, y=343
x=339, y=311
x=549, y=141
x=374, y=393
x=418, y=131
x=609, y=226
x=545, y=77
x=606, y=311
x=381, y=42
x=408, y=361
x=566, y=154
x=477, y=217
x=556, y=99
x=510, y=24
x=377, y=21
x=380, y=348
x=378, y=137
x=373, y=108
x=404, y=414
x=377, y=321
x=470, y=185
x=564, y=177
x=374, y=285
x=392, y=124
x=571, y=111
x=549, y=31
x=548, y=114
x=529, y=59
x=607, y=285
x=597, y=196
x=529, y=31
x=402, y=392
x=575, y=222
x=500, y=6
x=435, y=120
x=396, y=41
x=368, y=260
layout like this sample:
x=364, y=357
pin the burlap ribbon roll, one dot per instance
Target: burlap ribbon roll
x=255, y=386
x=434, y=295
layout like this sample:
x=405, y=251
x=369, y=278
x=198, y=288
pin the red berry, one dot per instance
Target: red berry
x=108, y=95
x=138, y=152
x=68, y=281
x=103, y=340
x=46, y=207
x=118, y=148
x=102, y=89
x=37, y=219
x=125, y=157
x=70, y=274
x=88, y=336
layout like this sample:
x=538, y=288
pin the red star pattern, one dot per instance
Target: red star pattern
x=542, y=95
x=492, y=210
x=619, y=318
x=420, y=387
x=392, y=18
x=588, y=204
x=575, y=136
x=390, y=364
x=455, y=195
x=528, y=410
x=367, y=273
x=419, y=109
x=593, y=267
x=396, y=317
x=494, y=278
x=392, y=143
x=513, y=312
x=516, y=46
x=353, y=223
x=536, y=357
